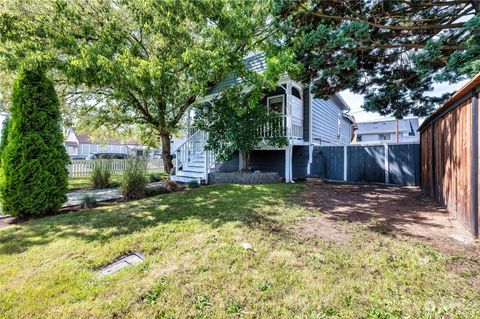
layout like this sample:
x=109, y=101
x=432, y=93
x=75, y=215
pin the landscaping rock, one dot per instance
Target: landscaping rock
x=244, y=178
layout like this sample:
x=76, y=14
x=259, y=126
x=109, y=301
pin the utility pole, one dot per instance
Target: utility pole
x=397, y=133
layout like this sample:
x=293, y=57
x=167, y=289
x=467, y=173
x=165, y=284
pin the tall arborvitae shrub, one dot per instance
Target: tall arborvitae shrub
x=35, y=175
x=4, y=141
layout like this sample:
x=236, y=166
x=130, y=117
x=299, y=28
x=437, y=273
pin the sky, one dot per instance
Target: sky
x=355, y=101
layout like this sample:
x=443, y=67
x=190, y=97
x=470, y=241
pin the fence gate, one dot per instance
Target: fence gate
x=387, y=163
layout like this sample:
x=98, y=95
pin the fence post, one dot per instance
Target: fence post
x=345, y=163
x=387, y=165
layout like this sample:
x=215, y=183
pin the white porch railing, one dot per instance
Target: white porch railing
x=84, y=168
x=281, y=126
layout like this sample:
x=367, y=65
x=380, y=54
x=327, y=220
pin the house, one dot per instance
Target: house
x=450, y=155
x=306, y=121
x=389, y=131
x=79, y=146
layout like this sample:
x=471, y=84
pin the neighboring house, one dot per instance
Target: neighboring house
x=307, y=121
x=389, y=131
x=79, y=146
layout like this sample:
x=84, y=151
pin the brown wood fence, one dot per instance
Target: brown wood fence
x=449, y=156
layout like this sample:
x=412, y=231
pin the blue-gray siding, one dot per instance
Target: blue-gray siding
x=272, y=161
x=306, y=114
x=325, y=117
x=367, y=163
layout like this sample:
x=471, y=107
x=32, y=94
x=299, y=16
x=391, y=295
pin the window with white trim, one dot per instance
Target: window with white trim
x=85, y=149
x=275, y=104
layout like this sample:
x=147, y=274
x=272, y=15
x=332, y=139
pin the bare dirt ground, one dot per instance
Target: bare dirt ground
x=396, y=211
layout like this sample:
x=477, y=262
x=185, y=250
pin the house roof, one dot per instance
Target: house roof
x=85, y=139
x=257, y=62
x=387, y=126
x=474, y=83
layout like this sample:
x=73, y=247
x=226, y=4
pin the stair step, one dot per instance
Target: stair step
x=190, y=174
x=184, y=179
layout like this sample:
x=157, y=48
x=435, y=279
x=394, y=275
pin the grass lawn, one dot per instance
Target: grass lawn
x=196, y=267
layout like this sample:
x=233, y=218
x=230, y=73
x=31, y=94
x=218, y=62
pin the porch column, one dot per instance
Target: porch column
x=288, y=164
x=288, y=108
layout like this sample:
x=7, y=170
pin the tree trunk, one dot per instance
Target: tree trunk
x=166, y=150
x=246, y=161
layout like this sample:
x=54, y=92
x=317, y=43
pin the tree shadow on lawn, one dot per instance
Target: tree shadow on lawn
x=215, y=205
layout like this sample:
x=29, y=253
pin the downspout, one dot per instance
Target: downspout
x=474, y=198
x=310, y=137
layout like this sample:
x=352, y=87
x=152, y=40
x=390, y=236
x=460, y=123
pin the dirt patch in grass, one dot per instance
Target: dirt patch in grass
x=392, y=211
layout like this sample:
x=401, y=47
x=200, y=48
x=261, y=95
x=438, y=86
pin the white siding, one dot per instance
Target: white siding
x=325, y=124
x=297, y=111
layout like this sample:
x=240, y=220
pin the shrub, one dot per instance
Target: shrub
x=101, y=174
x=34, y=162
x=157, y=190
x=155, y=177
x=4, y=141
x=134, y=181
x=193, y=184
x=89, y=201
x=172, y=186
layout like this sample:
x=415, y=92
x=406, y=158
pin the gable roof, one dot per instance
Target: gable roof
x=85, y=139
x=388, y=126
x=255, y=62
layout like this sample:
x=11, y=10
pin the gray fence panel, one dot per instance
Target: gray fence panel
x=404, y=164
x=366, y=163
x=328, y=162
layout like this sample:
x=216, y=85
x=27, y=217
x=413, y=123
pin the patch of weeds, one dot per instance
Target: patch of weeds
x=202, y=303
x=157, y=190
x=469, y=273
x=156, y=291
x=145, y=266
x=202, y=269
x=212, y=239
x=234, y=307
x=265, y=285
x=89, y=201
x=379, y=226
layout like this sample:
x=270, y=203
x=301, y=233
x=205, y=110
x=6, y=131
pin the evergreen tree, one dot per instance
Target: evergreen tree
x=4, y=140
x=34, y=180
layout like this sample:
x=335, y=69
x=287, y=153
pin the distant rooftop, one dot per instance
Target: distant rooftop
x=388, y=126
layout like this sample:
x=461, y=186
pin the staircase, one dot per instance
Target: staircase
x=192, y=161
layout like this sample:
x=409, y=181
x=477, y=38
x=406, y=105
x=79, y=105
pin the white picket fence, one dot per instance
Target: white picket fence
x=84, y=168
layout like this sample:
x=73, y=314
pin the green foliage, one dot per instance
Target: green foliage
x=145, y=62
x=89, y=201
x=234, y=122
x=4, y=141
x=156, y=190
x=101, y=173
x=34, y=172
x=134, y=181
x=193, y=184
x=155, y=177
x=389, y=51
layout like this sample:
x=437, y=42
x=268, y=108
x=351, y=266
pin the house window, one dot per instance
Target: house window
x=296, y=93
x=384, y=137
x=359, y=138
x=275, y=104
x=85, y=149
x=93, y=148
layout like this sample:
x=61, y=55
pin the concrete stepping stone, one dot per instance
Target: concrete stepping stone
x=123, y=262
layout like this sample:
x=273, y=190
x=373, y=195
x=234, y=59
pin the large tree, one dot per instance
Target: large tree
x=34, y=162
x=390, y=51
x=142, y=62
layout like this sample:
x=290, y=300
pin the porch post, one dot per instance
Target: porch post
x=288, y=164
x=288, y=108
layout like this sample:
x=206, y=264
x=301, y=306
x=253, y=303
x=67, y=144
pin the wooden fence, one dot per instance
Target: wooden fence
x=84, y=168
x=397, y=164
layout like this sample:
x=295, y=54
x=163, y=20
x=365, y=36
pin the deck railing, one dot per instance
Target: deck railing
x=279, y=127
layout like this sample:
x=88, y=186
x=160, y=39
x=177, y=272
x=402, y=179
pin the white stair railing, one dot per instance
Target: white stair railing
x=191, y=149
